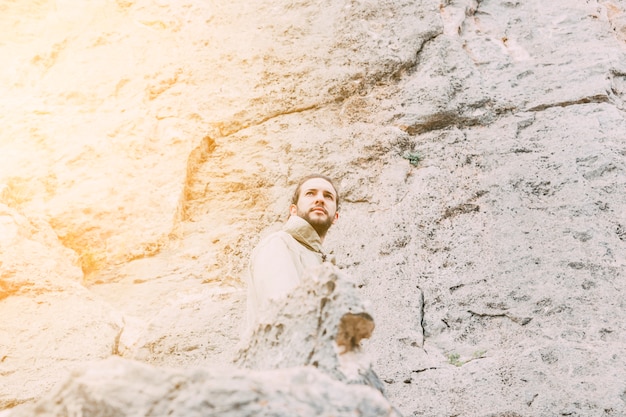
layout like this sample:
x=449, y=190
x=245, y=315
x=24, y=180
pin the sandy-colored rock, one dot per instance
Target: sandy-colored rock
x=86, y=144
x=478, y=147
x=50, y=321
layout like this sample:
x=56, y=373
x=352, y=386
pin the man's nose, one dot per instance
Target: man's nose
x=319, y=197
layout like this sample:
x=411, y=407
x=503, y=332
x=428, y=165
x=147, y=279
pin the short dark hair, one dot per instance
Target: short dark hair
x=296, y=194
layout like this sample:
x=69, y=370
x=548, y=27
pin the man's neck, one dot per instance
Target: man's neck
x=321, y=235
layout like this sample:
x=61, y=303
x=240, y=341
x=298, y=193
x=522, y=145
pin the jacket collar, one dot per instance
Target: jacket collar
x=304, y=233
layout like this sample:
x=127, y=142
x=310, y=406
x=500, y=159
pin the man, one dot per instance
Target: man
x=281, y=259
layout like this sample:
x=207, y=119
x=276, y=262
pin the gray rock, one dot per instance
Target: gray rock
x=493, y=265
x=118, y=387
x=320, y=323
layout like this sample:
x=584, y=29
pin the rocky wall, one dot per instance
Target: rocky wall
x=478, y=147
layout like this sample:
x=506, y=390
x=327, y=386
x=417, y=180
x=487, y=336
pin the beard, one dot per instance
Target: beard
x=320, y=224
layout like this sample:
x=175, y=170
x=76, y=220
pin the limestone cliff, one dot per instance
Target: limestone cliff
x=479, y=147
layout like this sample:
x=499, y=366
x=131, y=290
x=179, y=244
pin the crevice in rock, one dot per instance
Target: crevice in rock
x=419, y=371
x=440, y=121
x=597, y=99
x=231, y=128
x=430, y=37
x=392, y=73
x=462, y=285
x=532, y=400
x=196, y=158
x=617, y=93
x=115, y=349
x=421, y=304
x=519, y=320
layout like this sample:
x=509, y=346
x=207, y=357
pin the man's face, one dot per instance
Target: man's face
x=317, y=204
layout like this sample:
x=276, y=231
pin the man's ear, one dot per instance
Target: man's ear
x=293, y=210
x=336, y=217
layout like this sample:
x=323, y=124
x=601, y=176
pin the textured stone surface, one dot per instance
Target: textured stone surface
x=159, y=141
x=321, y=323
x=118, y=387
x=50, y=322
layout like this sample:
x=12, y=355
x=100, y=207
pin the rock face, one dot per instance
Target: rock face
x=50, y=322
x=478, y=147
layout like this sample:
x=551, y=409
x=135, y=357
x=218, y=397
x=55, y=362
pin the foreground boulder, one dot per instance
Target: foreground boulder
x=320, y=323
x=118, y=387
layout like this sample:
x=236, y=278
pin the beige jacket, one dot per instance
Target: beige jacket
x=279, y=262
